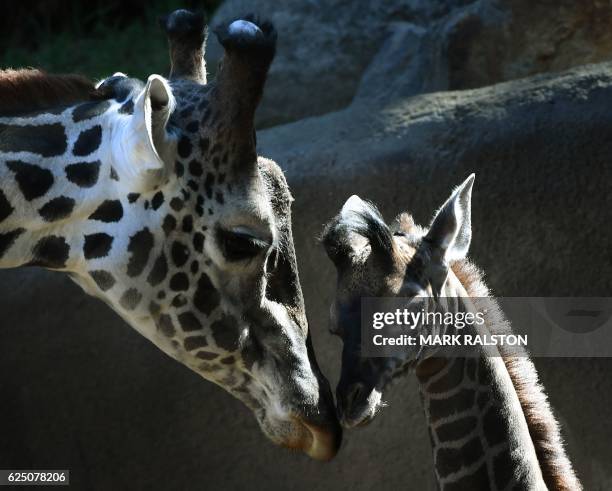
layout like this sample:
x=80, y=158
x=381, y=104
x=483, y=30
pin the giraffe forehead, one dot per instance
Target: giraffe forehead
x=192, y=101
x=206, y=163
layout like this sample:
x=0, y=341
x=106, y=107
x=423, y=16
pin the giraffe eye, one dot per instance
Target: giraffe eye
x=239, y=246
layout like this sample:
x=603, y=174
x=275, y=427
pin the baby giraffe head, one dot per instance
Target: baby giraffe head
x=373, y=259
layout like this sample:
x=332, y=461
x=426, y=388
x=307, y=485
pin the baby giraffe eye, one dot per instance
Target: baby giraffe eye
x=240, y=245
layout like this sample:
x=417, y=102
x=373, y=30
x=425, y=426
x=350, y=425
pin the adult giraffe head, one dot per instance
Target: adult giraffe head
x=155, y=200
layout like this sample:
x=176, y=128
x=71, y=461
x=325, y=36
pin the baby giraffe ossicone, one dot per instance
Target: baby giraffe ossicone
x=489, y=420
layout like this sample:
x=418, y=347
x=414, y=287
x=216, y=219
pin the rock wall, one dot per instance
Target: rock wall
x=80, y=390
x=326, y=47
x=541, y=153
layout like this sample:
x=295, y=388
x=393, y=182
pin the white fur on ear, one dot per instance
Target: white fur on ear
x=142, y=146
x=363, y=224
x=155, y=104
x=350, y=216
x=450, y=231
x=353, y=205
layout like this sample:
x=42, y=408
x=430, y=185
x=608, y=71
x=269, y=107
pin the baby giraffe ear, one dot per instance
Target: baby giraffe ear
x=353, y=206
x=450, y=232
x=352, y=218
x=147, y=149
x=358, y=225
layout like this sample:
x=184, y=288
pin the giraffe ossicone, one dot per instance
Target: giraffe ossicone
x=244, y=28
x=489, y=422
x=152, y=197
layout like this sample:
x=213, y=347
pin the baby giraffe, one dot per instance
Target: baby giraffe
x=489, y=420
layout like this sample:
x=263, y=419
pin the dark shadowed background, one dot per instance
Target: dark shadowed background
x=396, y=101
x=95, y=38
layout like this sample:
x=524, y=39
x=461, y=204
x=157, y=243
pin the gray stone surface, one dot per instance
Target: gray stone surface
x=326, y=46
x=540, y=149
x=79, y=389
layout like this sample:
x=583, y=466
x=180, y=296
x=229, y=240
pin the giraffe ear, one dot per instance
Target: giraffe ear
x=450, y=232
x=146, y=144
x=358, y=225
x=152, y=109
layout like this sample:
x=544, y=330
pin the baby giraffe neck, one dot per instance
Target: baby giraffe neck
x=490, y=423
x=479, y=434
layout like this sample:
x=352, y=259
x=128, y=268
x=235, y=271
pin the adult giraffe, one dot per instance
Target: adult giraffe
x=490, y=424
x=169, y=216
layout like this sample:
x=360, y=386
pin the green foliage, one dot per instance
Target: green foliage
x=96, y=42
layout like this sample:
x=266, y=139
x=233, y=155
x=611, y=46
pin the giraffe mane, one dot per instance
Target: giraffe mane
x=27, y=90
x=556, y=467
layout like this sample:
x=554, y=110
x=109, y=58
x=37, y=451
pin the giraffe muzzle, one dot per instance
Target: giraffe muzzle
x=320, y=439
x=324, y=441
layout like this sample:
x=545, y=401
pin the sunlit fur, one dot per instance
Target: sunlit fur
x=27, y=90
